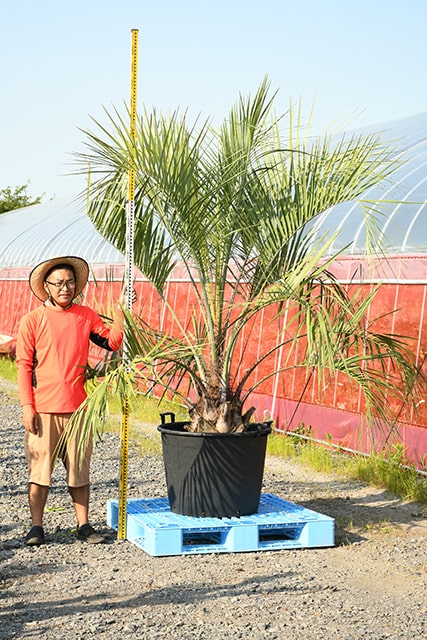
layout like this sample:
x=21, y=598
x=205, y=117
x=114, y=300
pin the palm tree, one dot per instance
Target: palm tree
x=235, y=206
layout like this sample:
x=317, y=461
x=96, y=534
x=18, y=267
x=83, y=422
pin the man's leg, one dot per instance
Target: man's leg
x=85, y=532
x=38, y=449
x=80, y=498
x=37, y=496
x=78, y=473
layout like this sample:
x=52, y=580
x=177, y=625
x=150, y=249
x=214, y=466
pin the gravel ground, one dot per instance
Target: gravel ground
x=370, y=585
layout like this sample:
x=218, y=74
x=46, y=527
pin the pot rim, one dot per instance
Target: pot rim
x=259, y=429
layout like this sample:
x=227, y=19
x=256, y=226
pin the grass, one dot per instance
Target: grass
x=386, y=470
x=143, y=435
x=8, y=369
x=144, y=417
x=147, y=409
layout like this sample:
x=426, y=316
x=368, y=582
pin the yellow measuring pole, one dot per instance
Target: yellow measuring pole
x=130, y=215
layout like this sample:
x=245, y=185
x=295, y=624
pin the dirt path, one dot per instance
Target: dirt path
x=372, y=584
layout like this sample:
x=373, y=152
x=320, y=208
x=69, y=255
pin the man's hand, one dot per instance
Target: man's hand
x=30, y=419
x=122, y=299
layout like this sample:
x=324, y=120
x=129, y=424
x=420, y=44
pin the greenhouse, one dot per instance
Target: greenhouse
x=55, y=228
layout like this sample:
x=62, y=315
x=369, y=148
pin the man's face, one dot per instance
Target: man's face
x=61, y=285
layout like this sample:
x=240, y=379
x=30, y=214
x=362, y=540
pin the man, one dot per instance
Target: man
x=51, y=355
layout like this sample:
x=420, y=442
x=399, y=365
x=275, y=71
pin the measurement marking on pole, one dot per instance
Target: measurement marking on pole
x=130, y=215
x=124, y=470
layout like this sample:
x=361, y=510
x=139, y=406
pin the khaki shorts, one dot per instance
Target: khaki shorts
x=40, y=447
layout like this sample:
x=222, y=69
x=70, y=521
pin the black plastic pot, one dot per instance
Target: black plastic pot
x=213, y=474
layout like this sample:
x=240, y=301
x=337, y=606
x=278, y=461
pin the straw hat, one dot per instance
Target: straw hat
x=38, y=274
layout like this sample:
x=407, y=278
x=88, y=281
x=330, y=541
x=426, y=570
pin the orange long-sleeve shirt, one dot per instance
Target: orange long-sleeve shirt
x=52, y=351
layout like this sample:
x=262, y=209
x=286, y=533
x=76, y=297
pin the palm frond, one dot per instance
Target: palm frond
x=237, y=206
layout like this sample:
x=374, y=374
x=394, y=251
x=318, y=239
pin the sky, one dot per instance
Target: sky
x=63, y=63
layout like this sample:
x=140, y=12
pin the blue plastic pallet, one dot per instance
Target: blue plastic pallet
x=278, y=524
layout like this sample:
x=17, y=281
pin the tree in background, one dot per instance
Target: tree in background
x=15, y=198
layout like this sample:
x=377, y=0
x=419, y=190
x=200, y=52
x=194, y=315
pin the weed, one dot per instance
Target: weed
x=8, y=369
x=382, y=526
x=54, y=509
x=389, y=470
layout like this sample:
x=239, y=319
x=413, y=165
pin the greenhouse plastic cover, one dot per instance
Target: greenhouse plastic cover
x=33, y=234
x=402, y=223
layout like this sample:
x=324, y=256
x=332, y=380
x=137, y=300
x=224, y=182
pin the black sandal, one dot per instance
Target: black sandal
x=35, y=537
